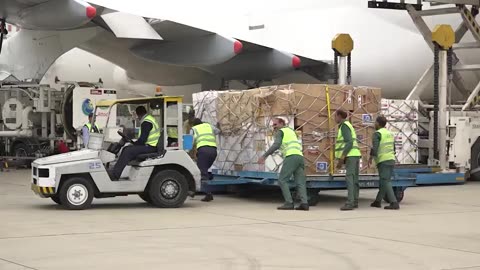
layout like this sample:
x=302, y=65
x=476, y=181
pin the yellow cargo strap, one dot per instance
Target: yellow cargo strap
x=329, y=128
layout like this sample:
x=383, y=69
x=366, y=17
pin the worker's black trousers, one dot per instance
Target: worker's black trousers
x=206, y=156
x=130, y=153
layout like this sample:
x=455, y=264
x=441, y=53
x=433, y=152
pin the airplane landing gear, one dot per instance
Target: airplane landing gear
x=3, y=32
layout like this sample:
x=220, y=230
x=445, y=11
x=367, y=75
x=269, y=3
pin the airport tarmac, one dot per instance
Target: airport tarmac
x=437, y=227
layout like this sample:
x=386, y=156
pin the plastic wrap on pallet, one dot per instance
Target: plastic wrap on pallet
x=400, y=110
x=205, y=106
x=245, y=120
x=406, y=147
x=402, y=117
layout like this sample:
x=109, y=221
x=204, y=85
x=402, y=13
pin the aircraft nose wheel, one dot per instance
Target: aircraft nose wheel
x=170, y=189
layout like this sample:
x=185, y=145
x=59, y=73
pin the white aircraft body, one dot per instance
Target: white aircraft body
x=200, y=43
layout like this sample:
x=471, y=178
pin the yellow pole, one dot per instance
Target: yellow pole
x=329, y=128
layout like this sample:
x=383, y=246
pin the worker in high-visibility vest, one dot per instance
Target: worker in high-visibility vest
x=146, y=143
x=204, y=136
x=172, y=136
x=87, y=129
x=383, y=151
x=293, y=164
x=347, y=153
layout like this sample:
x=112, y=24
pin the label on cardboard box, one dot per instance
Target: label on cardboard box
x=367, y=119
x=322, y=166
x=313, y=150
x=360, y=100
x=348, y=97
x=385, y=104
x=319, y=135
x=398, y=142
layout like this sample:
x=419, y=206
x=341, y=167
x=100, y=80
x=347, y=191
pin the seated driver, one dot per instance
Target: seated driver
x=146, y=143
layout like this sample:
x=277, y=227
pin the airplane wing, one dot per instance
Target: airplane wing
x=160, y=51
x=47, y=14
x=71, y=14
x=226, y=57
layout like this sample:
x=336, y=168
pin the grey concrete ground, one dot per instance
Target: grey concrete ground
x=437, y=228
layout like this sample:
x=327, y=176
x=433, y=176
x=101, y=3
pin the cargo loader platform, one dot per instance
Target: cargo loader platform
x=429, y=175
x=404, y=177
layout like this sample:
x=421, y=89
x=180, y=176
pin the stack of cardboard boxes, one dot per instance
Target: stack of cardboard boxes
x=402, y=117
x=245, y=120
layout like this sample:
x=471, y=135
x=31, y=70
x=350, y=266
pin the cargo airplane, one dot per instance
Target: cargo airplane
x=176, y=43
x=148, y=48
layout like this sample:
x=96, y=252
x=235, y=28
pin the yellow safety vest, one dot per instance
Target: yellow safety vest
x=89, y=126
x=290, y=144
x=172, y=132
x=386, y=149
x=154, y=134
x=204, y=135
x=340, y=142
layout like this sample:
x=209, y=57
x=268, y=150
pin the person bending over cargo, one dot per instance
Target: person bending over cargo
x=146, y=143
x=348, y=153
x=293, y=164
x=384, y=153
x=87, y=128
x=206, y=144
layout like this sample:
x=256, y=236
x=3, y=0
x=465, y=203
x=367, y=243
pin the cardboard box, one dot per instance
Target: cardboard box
x=367, y=99
x=316, y=130
x=245, y=120
x=364, y=138
x=313, y=97
x=274, y=100
x=317, y=157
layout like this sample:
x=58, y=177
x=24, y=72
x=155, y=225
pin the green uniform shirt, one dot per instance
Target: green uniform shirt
x=376, y=143
x=277, y=143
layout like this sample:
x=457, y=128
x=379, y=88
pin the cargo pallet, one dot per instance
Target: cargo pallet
x=404, y=177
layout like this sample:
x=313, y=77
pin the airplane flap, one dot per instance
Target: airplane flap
x=126, y=25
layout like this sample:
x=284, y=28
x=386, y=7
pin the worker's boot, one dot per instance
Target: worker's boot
x=347, y=207
x=393, y=206
x=286, y=206
x=376, y=204
x=303, y=206
x=208, y=197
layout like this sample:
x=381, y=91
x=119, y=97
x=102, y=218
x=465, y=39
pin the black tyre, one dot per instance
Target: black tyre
x=168, y=189
x=56, y=199
x=76, y=193
x=21, y=150
x=399, y=194
x=313, y=197
x=146, y=197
